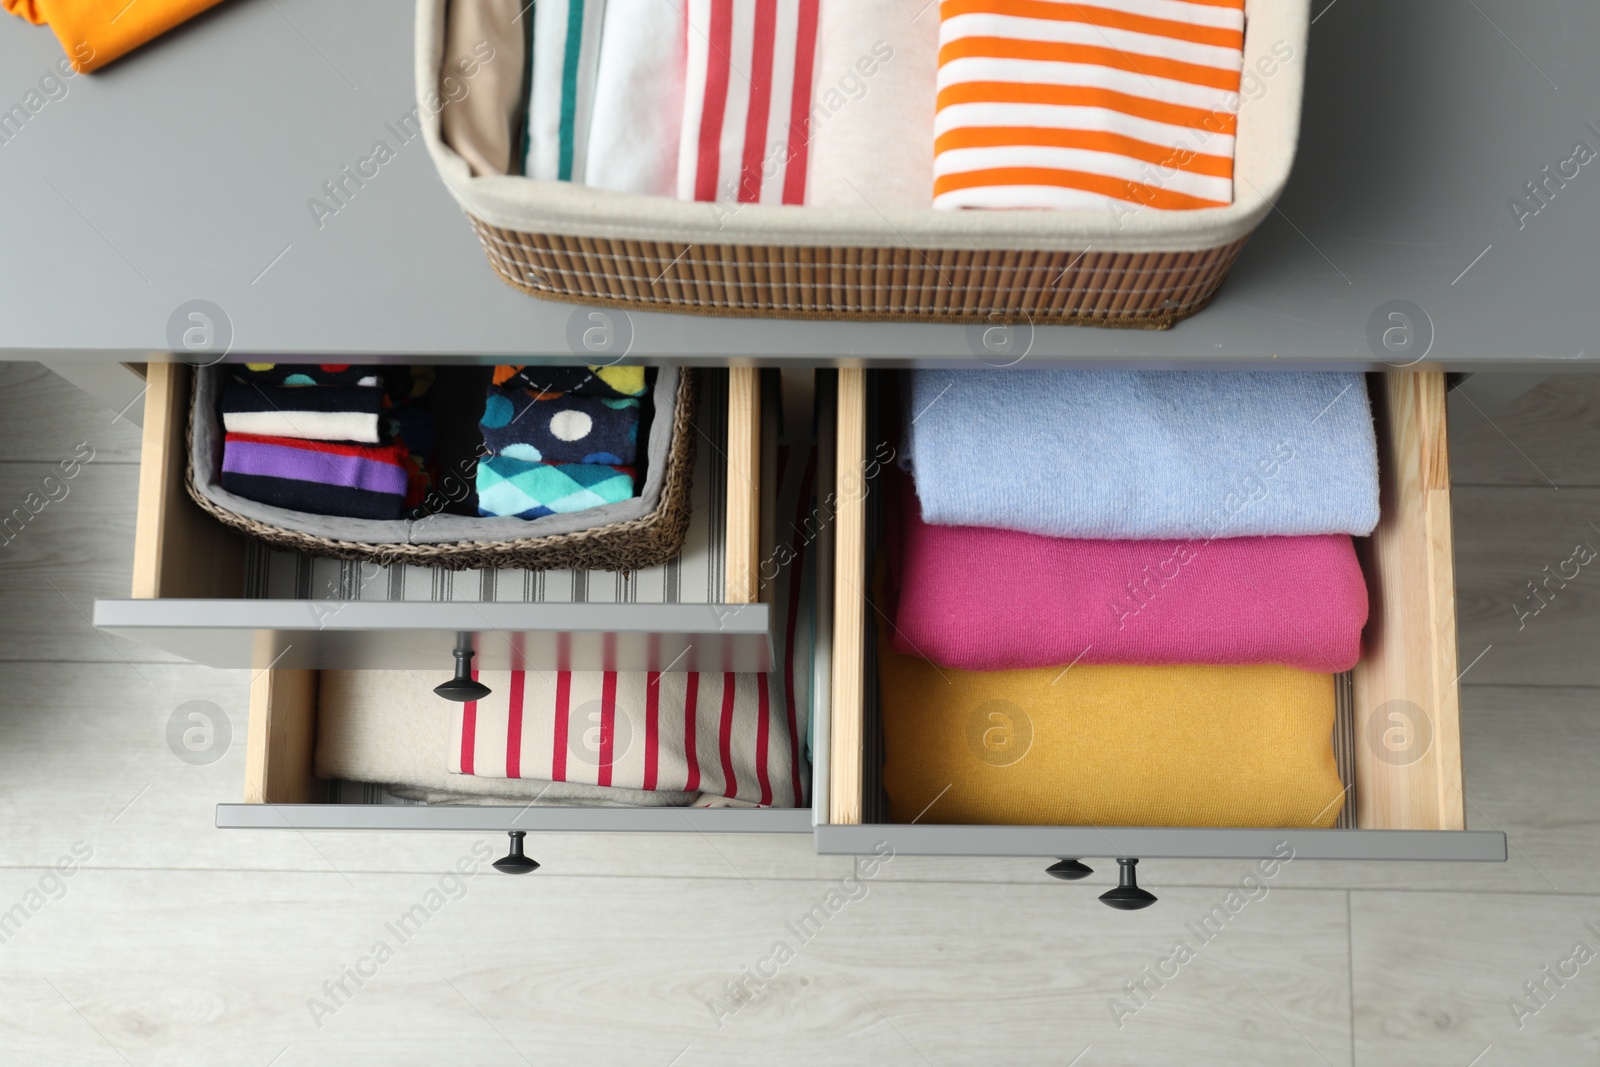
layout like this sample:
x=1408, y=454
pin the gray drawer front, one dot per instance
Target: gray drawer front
x=419, y=635
x=1140, y=842
x=503, y=818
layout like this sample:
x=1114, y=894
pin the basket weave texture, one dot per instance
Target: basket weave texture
x=648, y=541
x=1140, y=290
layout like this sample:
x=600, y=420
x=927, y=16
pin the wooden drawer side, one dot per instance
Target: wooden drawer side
x=279, y=762
x=1407, y=707
x=847, y=709
x=178, y=550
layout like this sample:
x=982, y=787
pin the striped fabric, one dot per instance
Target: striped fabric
x=747, y=101
x=317, y=477
x=1053, y=104
x=738, y=736
x=376, y=470
x=566, y=53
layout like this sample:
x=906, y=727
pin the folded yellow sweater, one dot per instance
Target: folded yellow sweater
x=1108, y=745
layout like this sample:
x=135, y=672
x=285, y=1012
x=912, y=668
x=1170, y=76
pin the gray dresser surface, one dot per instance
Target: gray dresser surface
x=1424, y=123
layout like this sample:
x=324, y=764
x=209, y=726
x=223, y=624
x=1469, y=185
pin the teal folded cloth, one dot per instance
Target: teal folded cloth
x=511, y=488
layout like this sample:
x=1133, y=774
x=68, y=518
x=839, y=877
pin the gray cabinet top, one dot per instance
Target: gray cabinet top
x=183, y=173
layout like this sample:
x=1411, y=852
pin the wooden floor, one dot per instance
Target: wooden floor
x=172, y=942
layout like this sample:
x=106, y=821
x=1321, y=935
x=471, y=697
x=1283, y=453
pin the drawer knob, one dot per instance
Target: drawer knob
x=514, y=862
x=1127, y=896
x=1069, y=870
x=463, y=688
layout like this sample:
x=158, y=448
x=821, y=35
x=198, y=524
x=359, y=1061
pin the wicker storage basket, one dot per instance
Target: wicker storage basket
x=649, y=538
x=1146, y=269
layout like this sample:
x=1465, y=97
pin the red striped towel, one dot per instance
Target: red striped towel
x=747, y=101
x=1056, y=104
x=739, y=736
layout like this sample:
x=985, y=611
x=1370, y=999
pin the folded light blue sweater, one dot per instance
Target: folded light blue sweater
x=1128, y=455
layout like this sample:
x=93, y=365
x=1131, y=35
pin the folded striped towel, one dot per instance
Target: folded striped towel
x=323, y=413
x=1144, y=454
x=732, y=735
x=560, y=427
x=510, y=487
x=747, y=100
x=1054, y=104
x=638, y=98
x=317, y=477
x=565, y=57
x=579, y=381
x=722, y=733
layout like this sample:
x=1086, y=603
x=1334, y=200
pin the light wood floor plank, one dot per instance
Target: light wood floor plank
x=1436, y=977
x=54, y=564
x=1552, y=431
x=1505, y=539
x=44, y=418
x=218, y=968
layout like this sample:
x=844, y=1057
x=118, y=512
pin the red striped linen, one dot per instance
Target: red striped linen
x=735, y=735
x=747, y=100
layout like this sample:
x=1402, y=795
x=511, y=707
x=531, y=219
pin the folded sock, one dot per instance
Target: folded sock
x=399, y=383
x=323, y=413
x=369, y=374
x=876, y=152
x=416, y=428
x=615, y=382
x=566, y=53
x=485, y=54
x=1139, y=455
x=982, y=600
x=747, y=101
x=638, y=98
x=511, y=488
x=560, y=428
x=1103, y=745
x=93, y=32
x=1118, y=104
x=317, y=477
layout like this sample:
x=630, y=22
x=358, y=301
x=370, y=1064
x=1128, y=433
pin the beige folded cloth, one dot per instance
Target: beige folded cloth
x=872, y=106
x=481, y=82
x=389, y=727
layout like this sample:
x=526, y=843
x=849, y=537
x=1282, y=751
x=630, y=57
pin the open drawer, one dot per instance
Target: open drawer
x=1406, y=807
x=193, y=578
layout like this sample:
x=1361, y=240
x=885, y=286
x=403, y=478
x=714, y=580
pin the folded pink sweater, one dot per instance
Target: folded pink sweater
x=980, y=599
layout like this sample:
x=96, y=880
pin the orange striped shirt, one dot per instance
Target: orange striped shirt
x=1057, y=104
